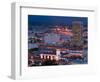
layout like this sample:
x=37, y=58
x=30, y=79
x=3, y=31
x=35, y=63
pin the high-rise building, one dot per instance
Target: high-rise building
x=77, y=33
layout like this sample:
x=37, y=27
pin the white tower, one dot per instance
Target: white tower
x=58, y=54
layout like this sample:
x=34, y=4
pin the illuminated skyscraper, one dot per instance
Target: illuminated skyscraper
x=77, y=33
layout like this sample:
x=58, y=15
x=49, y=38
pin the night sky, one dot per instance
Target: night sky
x=54, y=20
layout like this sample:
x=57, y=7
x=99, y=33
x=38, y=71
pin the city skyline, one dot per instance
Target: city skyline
x=57, y=40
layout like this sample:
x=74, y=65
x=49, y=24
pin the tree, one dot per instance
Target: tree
x=50, y=62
